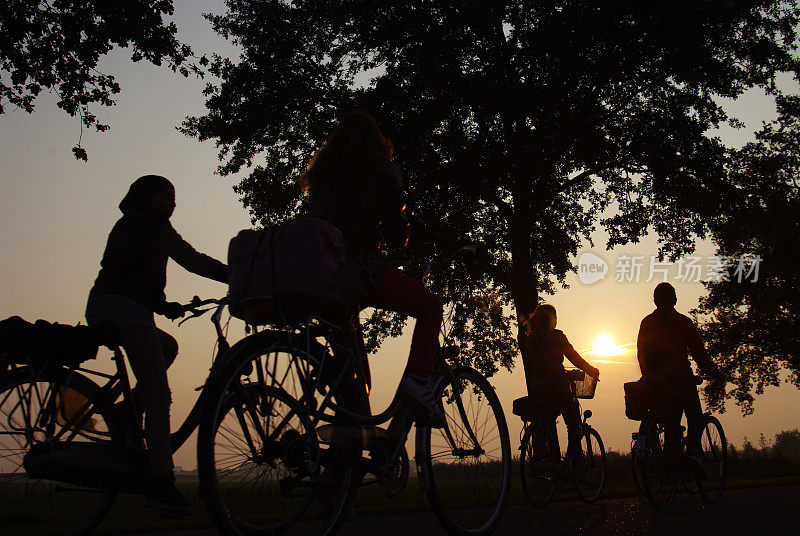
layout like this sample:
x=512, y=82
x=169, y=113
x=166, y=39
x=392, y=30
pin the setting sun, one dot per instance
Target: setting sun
x=604, y=346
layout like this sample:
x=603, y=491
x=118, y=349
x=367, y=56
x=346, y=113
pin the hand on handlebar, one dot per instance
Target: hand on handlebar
x=172, y=310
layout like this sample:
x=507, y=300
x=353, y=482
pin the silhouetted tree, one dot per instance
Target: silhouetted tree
x=517, y=124
x=55, y=45
x=751, y=322
x=787, y=445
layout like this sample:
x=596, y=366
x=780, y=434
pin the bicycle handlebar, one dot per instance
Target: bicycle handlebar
x=194, y=307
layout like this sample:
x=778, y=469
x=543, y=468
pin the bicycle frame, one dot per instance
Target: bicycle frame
x=299, y=340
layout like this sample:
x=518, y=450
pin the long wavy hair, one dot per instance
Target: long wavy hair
x=542, y=321
x=353, y=150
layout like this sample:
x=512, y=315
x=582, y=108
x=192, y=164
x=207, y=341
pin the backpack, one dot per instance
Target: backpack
x=45, y=342
x=302, y=262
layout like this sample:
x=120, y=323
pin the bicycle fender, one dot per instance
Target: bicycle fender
x=233, y=356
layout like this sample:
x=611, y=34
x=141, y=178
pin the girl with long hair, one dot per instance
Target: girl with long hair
x=545, y=348
x=353, y=184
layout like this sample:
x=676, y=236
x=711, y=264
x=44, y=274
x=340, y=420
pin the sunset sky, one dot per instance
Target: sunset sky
x=56, y=213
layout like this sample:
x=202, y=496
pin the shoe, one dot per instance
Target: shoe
x=418, y=388
x=166, y=498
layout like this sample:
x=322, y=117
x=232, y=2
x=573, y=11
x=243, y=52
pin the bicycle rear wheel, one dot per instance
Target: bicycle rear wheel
x=34, y=409
x=466, y=466
x=594, y=462
x=657, y=478
x=539, y=456
x=715, y=460
x=261, y=466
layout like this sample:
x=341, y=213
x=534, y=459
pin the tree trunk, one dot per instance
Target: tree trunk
x=524, y=279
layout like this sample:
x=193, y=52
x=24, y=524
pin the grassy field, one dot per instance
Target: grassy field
x=128, y=516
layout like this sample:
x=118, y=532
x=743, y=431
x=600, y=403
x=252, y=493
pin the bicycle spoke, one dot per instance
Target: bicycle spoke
x=470, y=456
x=27, y=419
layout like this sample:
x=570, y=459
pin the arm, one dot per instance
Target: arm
x=575, y=358
x=640, y=347
x=192, y=260
x=699, y=352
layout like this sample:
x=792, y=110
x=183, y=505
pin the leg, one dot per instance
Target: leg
x=572, y=418
x=672, y=430
x=353, y=391
x=694, y=419
x=398, y=292
x=145, y=353
x=169, y=348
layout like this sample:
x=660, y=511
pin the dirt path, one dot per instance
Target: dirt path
x=772, y=511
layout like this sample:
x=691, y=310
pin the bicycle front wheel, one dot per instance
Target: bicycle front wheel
x=658, y=479
x=539, y=457
x=36, y=407
x=466, y=466
x=715, y=460
x=594, y=463
x=261, y=466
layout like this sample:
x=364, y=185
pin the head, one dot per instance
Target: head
x=664, y=296
x=355, y=147
x=150, y=194
x=544, y=319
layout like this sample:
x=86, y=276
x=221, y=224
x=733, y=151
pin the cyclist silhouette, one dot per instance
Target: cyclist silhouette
x=353, y=184
x=666, y=338
x=543, y=355
x=126, y=293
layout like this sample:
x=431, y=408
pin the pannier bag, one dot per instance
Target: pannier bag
x=524, y=407
x=45, y=342
x=642, y=396
x=540, y=400
x=302, y=261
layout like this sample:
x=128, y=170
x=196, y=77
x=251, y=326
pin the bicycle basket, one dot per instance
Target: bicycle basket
x=584, y=384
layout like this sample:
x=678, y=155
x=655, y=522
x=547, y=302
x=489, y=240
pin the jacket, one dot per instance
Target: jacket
x=666, y=338
x=135, y=260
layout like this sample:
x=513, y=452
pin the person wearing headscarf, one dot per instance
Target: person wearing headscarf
x=128, y=290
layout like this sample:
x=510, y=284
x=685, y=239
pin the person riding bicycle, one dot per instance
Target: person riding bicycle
x=353, y=184
x=128, y=290
x=543, y=352
x=666, y=338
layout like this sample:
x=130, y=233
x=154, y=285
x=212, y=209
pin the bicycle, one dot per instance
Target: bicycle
x=62, y=468
x=543, y=462
x=316, y=447
x=657, y=470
